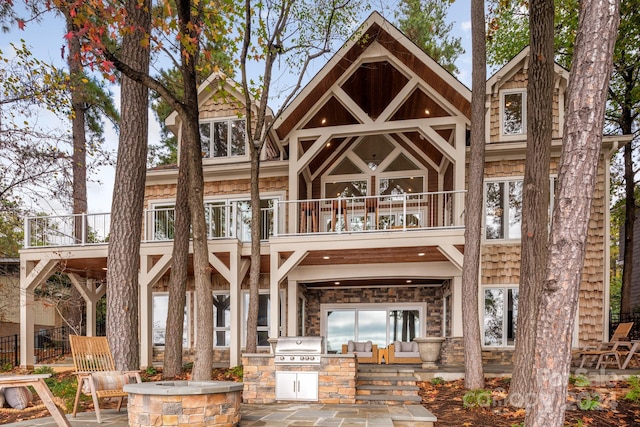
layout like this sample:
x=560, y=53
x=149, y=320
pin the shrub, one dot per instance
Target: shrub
x=634, y=386
x=579, y=380
x=476, y=398
x=437, y=381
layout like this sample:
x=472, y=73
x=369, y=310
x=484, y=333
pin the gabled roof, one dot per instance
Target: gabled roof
x=209, y=87
x=375, y=29
x=517, y=63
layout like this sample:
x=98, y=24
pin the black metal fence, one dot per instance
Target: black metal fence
x=49, y=344
x=9, y=351
x=616, y=318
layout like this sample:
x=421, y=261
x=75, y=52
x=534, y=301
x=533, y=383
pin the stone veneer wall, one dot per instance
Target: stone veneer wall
x=452, y=353
x=432, y=296
x=336, y=378
x=193, y=410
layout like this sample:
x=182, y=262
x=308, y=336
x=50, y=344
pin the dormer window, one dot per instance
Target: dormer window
x=513, y=106
x=223, y=138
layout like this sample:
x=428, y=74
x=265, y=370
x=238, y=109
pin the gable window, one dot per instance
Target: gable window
x=500, y=316
x=513, y=105
x=223, y=138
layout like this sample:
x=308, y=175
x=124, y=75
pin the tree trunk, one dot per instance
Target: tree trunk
x=78, y=133
x=630, y=207
x=172, y=364
x=191, y=142
x=128, y=197
x=586, y=99
x=254, y=271
x=535, y=195
x=474, y=375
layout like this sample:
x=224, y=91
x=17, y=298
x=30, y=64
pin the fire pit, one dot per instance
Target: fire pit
x=184, y=403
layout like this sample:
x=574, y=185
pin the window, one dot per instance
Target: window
x=503, y=209
x=264, y=311
x=223, y=138
x=216, y=217
x=163, y=222
x=221, y=320
x=513, y=113
x=397, y=186
x=500, y=316
x=160, y=303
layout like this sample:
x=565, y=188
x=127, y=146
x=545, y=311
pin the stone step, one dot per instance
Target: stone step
x=404, y=380
x=389, y=388
x=417, y=416
x=388, y=399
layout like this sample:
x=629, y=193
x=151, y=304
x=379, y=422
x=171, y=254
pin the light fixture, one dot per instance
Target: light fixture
x=104, y=268
x=421, y=254
x=336, y=283
x=328, y=144
x=409, y=281
x=427, y=112
x=326, y=257
x=324, y=120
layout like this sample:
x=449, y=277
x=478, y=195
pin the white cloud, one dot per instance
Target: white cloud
x=466, y=26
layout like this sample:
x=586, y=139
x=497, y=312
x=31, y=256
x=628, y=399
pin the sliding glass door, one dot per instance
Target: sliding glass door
x=379, y=323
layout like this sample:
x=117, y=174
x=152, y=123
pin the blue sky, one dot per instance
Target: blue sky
x=45, y=39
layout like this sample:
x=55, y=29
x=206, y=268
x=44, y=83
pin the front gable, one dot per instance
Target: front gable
x=379, y=90
x=506, y=95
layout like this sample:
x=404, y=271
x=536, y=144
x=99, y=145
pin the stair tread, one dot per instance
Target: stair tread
x=388, y=397
x=381, y=378
x=387, y=387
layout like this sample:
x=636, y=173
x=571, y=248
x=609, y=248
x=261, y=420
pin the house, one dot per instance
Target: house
x=45, y=316
x=363, y=188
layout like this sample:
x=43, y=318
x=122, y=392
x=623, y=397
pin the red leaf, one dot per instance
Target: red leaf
x=21, y=24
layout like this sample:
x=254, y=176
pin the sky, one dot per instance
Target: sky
x=45, y=39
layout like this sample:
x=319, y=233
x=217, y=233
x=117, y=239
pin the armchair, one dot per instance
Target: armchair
x=366, y=352
x=403, y=352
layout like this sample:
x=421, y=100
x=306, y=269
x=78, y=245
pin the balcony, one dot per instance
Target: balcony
x=396, y=212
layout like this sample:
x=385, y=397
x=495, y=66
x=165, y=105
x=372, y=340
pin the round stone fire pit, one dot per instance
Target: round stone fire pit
x=184, y=403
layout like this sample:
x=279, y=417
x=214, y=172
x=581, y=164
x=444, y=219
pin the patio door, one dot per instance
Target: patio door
x=379, y=323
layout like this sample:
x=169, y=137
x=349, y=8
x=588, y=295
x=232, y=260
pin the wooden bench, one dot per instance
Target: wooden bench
x=37, y=382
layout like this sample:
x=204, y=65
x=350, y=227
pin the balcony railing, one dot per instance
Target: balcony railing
x=375, y=213
x=66, y=230
x=285, y=218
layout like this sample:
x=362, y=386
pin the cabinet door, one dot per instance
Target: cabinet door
x=286, y=385
x=307, y=386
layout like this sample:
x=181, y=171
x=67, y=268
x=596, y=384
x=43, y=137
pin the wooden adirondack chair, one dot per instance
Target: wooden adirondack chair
x=96, y=371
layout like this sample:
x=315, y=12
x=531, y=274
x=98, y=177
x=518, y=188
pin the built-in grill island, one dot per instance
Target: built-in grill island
x=297, y=361
x=298, y=369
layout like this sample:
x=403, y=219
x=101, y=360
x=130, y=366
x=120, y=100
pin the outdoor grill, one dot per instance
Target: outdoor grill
x=299, y=350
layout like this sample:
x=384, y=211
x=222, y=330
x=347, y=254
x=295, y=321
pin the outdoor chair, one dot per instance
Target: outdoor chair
x=366, y=352
x=403, y=352
x=602, y=351
x=96, y=372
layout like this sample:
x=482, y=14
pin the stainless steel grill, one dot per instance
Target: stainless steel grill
x=299, y=350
